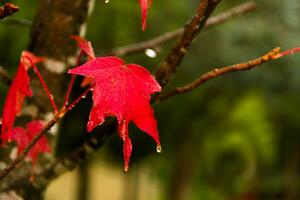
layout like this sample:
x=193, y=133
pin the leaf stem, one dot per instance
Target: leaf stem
x=82, y=96
x=44, y=85
x=71, y=84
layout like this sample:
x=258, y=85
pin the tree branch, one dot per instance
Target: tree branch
x=20, y=22
x=273, y=54
x=158, y=40
x=4, y=77
x=58, y=167
x=8, y=9
x=168, y=67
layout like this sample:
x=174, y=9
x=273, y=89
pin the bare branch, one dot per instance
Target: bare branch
x=20, y=22
x=273, y=54
x=158, y=40
x=8, y=9
x=4, y=77
x=168, y=67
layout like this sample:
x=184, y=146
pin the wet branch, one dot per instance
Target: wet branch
x=273, y=54
x=168, y=67
x=158, y=40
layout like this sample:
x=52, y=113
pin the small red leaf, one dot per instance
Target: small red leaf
x=23, y=137
x=28, y=58
x=85, y=46
x=121, y=90
x=17, y=92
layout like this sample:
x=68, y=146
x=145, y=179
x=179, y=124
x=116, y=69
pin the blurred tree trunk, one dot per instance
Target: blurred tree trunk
x=181, y=177
x=291, y=174
x=131, y=184
x=83, y=181
x=53, y=24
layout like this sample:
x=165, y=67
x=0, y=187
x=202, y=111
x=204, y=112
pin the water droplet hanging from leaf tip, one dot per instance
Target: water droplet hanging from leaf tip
x=158, y=149
x=126, y=169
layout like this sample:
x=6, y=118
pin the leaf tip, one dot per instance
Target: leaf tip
x=144, y=25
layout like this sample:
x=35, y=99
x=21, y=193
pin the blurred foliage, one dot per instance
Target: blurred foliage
x=236, y=137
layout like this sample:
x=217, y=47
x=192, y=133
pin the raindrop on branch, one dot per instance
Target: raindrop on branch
x=150, y=53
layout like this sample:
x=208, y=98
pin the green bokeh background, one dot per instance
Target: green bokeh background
x=235, y=137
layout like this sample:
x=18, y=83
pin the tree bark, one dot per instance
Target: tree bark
x=53, y=24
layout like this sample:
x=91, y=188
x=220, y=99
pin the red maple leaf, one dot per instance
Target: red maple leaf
x=22, y=138
x=121, y=90
x=17, y=92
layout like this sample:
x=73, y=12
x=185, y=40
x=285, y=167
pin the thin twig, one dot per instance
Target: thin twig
x=44, y=85
x=20, y=22
x=168, y=67
x=4, y=77
x=273, y=54
x=288, y=52
x=158, y=40
x=8, y=9
x=70, y=86
x=82, y=96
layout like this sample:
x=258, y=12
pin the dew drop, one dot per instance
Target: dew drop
x=83, y=96
x=126, y=168
x=158, y=149
x=106, y=1
x=150, y=53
